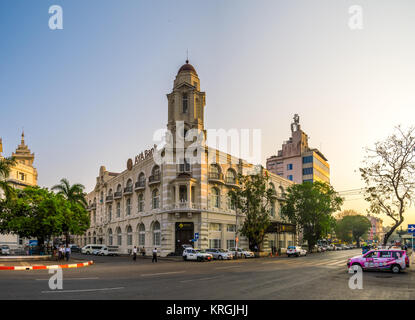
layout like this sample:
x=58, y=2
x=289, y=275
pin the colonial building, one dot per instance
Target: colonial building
x=174, y=196
x=21, y=175
x=298, y=162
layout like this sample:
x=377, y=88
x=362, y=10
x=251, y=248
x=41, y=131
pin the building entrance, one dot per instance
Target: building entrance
x=184, y=235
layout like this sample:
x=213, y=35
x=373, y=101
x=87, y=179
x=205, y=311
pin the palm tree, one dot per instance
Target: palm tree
x=73, y=193
x=5, y=168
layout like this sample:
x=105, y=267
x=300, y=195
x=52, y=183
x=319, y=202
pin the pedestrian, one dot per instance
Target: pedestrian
x=61, y=252
x=143, y=251
x=154, y=255
x=67, y=252
x=135, y=253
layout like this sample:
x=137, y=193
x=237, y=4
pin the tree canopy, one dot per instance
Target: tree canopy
x=310, y=206
x=352, y=227
x=389, y=174
x=254, y=200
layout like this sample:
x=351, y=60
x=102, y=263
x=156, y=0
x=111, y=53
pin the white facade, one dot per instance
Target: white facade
x=163, y=204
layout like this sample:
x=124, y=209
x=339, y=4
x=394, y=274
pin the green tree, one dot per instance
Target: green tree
x=254, y=200
x=389, y=174
x=352, y=228
x=76, y=218
x=33, y=213
x=310, y=206
x=5, y=167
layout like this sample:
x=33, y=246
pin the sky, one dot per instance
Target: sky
x=94, y=92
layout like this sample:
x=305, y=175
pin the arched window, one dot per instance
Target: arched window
x=119, y=188
x=95, y=237
x=215, y=198
x=141, y=235
x=119, y=236
x=110, y=237
x=140, y=202
x=214, y=171
x=156, y=199
x=129, y=186
x=129, y=236
x=231, y=176
x=156, y=234
x=89, y=237
x=141, y=180
x=271, y=185
x=185, y=102
x=128, y=206
x=110, y=192
x=282, y=192
x=156, y=171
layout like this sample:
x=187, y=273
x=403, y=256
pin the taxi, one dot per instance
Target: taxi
x=385, y=259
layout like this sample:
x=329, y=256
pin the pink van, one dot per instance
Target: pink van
x=385, y=259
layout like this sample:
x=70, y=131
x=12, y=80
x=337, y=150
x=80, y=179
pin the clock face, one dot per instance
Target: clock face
x=129, y=164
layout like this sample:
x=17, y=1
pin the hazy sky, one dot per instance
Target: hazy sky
x=93, y=93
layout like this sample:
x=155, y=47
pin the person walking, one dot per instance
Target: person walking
x=154, y=255
x=61, y=253
x=67, y=252
x=143, y=251
x=135, y=253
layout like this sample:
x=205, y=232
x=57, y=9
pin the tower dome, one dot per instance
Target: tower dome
x=187, y=67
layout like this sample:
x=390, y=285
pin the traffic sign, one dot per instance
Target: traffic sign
x=411, y=228
x=197, y=236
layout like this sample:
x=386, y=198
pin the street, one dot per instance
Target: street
x=316, y=276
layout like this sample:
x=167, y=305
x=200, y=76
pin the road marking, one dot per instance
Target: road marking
x=227, y=267
x=200, y=279
x=162, y=273
x=70, y=279
x=336, y=262
x=85, y=290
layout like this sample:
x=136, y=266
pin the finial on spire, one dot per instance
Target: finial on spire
x=187, y=55
x=22, y=136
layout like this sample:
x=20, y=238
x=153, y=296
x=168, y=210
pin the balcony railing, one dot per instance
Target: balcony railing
x=140, y=185
x=109, y=198
x=128, y=190
x=117, y=194
x=154, y=178
x=215, y=176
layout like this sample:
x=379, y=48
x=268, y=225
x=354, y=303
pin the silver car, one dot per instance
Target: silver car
x=220, y=254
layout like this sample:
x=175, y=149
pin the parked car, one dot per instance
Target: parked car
x=338, y=247
x=392, y=259
x=220, y=254
x=197, y=255
x=5, y=250
x=242, y=253
x=89, y=248
x=74, y=248
x=296, y=251
x=108, y=251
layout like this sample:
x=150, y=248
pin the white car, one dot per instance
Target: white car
x=90, y=248
x=242, y=253
x=5, y=250
x=197, y=255
x=296, y=251
x=220, y=254
x=108, y=251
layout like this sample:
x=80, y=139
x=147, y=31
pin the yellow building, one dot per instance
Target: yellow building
x=21, y=175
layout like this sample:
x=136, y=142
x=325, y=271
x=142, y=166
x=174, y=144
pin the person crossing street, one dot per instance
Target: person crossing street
x=154, y=255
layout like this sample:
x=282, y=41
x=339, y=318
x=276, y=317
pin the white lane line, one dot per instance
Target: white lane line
x=227, y=267
x=200, y=279
x=85, y=290
x=336, y=262
x=159, y=274
x=70, y=279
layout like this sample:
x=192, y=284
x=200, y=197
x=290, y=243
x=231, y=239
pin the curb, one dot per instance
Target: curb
x=62, y=266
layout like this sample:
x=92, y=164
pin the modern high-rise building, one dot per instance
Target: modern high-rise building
x=297, y=161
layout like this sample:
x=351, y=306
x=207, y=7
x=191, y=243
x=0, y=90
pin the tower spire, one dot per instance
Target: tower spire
x=22, y=137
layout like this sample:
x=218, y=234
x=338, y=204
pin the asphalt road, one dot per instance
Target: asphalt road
x=316, y=276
